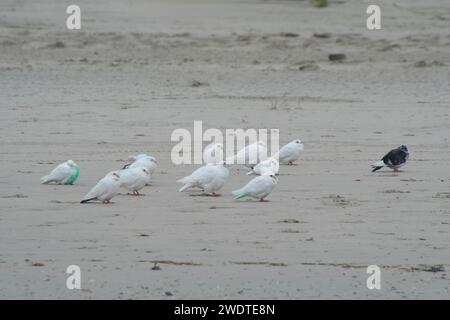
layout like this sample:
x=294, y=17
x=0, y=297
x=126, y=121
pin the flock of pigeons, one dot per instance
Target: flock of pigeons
x=210, y=178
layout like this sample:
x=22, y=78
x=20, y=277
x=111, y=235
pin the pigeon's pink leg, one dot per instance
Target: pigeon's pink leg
x=263, y=200
x=215, y=194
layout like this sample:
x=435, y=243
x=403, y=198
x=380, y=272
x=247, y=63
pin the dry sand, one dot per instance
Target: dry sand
x=123, y=83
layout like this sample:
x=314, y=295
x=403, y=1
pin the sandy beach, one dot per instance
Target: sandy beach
x=137, y=71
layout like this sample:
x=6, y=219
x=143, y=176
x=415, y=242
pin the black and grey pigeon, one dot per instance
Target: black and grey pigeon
x=394, y=159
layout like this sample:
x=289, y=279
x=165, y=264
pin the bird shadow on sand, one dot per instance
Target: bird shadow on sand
x=204, y=195
x=131, y=195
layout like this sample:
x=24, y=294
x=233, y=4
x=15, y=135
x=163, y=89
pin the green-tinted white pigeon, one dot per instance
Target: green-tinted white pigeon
x=65, y=173
x=260, y=187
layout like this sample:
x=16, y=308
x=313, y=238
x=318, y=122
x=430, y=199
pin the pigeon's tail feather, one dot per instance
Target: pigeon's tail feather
x=87, y=200
x=45, y=180
x=48, y=179
x=377, y=165
x=238, y=194
x=186, y=186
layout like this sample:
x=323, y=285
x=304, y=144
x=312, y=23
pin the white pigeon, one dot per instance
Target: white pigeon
x=134, y=179
x=250, y=155
x=65, y=173
x=260, y=187
x=213, y=153
x=290, y=152
x=143, y=160
x=105, y=189
x=270, y=165
x=210, y=178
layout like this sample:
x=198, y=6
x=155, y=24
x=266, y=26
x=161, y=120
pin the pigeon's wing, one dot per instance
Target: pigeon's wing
x=289, y=152
x=205, y=174
x=395, y=157
x=219, y=178
x=59, y=174
x=259, y=186
x=134, y=179
x=101, y=188
x=145, y=162
x=127, y=177
x=199, y=177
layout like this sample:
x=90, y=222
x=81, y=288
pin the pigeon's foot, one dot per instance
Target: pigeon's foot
x=136, y=193
x=107, y=202
x=215, y=194
x=263, y=200
x=148, y=185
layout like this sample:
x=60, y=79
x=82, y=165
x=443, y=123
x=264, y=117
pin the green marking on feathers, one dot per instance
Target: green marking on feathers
x=74, y=176
x=240, y=195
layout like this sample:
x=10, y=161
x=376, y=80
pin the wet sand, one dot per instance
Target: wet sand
x=130, y=76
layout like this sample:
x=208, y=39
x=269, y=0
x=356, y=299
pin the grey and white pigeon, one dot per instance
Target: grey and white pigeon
x=394, y=159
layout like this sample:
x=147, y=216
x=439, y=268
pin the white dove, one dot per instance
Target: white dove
x=105, y=189
x=250, y=155
x=134, y=179
x=270, y=165
x=259, y=187
x=290, y=152
x=210, y=178
x=65, y=173
x=143, y=160
x=213, y=153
